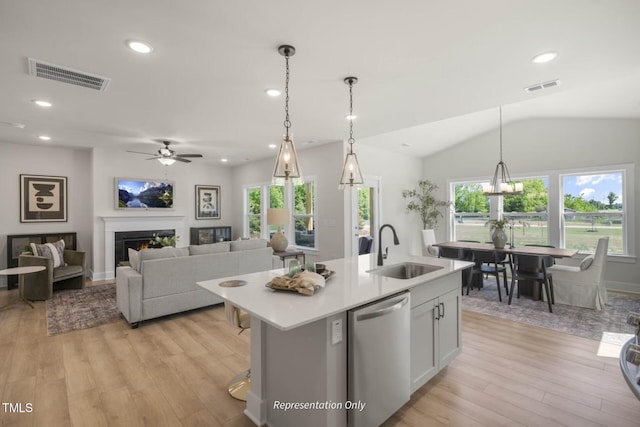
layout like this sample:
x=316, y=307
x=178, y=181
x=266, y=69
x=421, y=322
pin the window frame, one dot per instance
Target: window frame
x=555, y=205
x=288, y=230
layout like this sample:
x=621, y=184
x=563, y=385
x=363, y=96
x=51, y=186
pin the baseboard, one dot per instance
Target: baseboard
x=632, y=288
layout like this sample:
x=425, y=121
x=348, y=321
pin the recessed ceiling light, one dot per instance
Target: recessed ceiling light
x=272, y=146
x=44, y=137
x=273, y=92
x=544, y=57
x=404, y=144
x=42, y=103
x=138, y=46
x=351, y=117
x=224, y=160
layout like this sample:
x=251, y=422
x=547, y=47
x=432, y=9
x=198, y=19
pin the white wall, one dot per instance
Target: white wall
x=544, y=145
x=19, y=159
x=109, y=164
x=397, y=172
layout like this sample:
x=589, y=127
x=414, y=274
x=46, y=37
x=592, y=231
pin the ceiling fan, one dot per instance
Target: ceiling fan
x=167, y=156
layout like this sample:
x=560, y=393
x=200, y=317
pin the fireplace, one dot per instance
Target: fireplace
x=125, y=240
x=114, y=224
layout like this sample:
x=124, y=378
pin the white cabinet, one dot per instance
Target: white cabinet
x=435, y=328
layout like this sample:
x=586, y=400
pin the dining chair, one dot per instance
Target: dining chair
x=461, y=254
x=487, y=263
x=532, y=268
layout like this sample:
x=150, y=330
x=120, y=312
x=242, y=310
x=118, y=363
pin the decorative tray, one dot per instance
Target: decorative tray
x=327, y=274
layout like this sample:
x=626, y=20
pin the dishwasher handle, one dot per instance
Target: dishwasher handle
x=383, y=311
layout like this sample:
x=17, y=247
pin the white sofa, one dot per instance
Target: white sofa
x=163, y=281
x=583, y=285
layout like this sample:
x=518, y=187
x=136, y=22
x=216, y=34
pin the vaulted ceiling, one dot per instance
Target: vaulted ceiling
x=431, y=73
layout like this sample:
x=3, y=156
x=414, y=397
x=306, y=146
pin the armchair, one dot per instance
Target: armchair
x=583, y=286
x=39, y=286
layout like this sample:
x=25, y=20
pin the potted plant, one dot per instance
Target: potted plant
x=497, y=232
x=423, y=202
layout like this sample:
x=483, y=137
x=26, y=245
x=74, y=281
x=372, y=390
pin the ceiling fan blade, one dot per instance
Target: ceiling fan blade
x=189, y=155
x=139, y=152
x=155, y=157
x=178, y=158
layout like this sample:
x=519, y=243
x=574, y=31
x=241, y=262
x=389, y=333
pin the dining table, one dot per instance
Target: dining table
x=526, y=288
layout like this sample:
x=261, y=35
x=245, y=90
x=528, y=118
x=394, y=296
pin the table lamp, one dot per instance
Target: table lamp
x=279, y=217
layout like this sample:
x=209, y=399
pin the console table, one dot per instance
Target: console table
x=290, y=254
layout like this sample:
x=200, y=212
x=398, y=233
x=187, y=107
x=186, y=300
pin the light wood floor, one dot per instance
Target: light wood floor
x=172, y=372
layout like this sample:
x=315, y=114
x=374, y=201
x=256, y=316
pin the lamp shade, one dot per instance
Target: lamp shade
x=278, y=216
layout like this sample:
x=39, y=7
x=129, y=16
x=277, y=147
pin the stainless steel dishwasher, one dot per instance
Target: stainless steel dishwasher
x=379, y=360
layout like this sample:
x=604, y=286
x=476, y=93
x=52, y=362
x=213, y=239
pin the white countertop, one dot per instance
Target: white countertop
x=351, y=286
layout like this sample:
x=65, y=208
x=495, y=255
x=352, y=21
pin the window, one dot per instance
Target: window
x=301, y=201
x=593, y=206
x=527, y=212
x=254, y=209
x=304, y=214
x=563, y=209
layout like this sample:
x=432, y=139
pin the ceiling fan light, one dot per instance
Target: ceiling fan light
x=167, y=161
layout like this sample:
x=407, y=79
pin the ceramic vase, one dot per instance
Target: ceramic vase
x=499, y=238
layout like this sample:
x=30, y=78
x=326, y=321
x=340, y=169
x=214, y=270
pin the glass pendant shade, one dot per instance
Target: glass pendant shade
x=351, y=175
x=287, y=162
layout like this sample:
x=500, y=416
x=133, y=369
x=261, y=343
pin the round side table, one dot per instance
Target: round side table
x=20, y=271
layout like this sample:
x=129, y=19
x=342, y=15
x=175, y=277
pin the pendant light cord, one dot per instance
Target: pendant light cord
x=287, y=122
x=351, y=140
x=501, y=134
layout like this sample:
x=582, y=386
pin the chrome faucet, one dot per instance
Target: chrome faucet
x=395, y=242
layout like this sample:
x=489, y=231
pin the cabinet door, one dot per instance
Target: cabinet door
x=449, y=327
x=424, y=358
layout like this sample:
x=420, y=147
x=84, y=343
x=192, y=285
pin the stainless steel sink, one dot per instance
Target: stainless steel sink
x=405, y=270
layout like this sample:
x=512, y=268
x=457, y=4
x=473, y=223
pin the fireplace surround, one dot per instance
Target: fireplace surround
x=113, y=224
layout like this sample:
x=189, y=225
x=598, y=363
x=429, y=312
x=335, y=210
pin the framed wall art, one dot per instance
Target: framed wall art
x=207, y=202
x=43, y=198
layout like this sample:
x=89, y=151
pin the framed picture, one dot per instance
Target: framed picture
x=207, y=202
x=43, y=198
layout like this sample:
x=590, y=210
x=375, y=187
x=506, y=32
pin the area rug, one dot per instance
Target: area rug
x=71, y=310
x=609, y=324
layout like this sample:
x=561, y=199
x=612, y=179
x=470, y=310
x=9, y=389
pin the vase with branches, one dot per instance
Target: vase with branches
x=423, y=202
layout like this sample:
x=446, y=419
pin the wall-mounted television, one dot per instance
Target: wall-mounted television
x=132, y=193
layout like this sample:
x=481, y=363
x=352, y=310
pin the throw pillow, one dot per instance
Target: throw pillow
x=586, y=262
x=134, y=259
x=53, y=251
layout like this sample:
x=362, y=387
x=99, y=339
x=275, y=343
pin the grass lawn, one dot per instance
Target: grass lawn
x=579, y=235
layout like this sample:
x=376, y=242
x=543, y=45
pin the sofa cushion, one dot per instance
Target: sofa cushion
x=167, y=252
x=586, y=262
x=210, y=248
x=247, y=245
x=53, y=251
x=66, y=272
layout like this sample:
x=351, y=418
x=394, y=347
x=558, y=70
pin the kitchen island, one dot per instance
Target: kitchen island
x=299, y=344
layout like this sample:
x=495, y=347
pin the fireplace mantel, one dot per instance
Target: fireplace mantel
x=136, y=223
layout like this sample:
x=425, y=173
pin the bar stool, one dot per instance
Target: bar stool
x=241, y=383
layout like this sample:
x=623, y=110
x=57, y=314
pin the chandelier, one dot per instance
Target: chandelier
x=501, y=184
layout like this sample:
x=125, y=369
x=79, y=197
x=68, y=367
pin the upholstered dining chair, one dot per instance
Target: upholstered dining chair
x=532, y=268
x=241, y=383
x=583, y=285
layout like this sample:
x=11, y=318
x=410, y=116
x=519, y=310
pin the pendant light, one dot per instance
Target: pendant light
x=286, y=167
x=351, y=175
x=501, y=184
